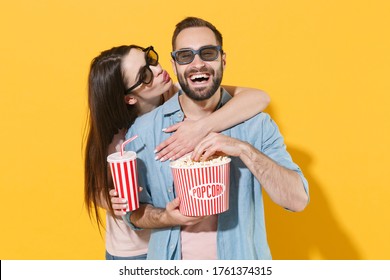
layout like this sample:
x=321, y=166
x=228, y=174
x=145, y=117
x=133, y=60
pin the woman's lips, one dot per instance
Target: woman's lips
x=166, y=77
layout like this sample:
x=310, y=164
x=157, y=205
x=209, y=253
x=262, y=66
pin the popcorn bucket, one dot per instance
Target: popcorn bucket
x=203, y=190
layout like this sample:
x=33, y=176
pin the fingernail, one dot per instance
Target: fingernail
x=163, y=130
x=124, y=200
x=155, y=151
x=156, y=158
x=162, y=159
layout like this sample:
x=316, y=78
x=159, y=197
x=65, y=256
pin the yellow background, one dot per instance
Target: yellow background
x=324, y=63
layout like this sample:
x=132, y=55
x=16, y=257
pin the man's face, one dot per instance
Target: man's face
x=199, y=79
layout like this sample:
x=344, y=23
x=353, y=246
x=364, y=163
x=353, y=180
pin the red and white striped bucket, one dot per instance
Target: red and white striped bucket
x=124, y=174
x=203, y=190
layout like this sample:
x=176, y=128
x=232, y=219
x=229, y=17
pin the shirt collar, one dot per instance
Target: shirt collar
x=172, y=105
x=225, y=98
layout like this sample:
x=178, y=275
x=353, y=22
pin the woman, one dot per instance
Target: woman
x=126, y=82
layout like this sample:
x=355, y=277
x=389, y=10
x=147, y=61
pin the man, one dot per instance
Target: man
x=259, y=160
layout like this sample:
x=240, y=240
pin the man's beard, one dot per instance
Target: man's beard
x=201, y=93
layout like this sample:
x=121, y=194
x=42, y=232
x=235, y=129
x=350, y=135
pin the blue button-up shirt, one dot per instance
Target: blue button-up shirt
x=241, y=230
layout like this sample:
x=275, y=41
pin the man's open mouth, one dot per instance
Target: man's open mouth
x=199, y=78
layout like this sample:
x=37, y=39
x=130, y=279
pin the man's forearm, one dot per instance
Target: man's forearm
x=148, y=217
x=283, y=185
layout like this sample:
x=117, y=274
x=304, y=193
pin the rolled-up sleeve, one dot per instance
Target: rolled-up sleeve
x=272, y=144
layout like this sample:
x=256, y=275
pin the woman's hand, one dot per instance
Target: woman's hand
x=118, y=204
x=187, y=135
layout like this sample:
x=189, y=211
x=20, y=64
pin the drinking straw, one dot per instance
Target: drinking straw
x=127, y=142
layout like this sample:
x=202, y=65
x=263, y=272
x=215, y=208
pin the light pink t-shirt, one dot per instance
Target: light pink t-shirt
x=122, y=241
x=199, y=242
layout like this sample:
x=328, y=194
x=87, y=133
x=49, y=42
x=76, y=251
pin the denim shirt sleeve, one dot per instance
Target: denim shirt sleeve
x=274, y=147
x=144, y=196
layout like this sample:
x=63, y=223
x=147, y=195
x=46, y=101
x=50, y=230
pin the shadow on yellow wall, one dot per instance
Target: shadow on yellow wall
x=314, y=233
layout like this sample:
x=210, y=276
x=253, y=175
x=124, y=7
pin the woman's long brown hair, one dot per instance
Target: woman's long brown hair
x=108, y=114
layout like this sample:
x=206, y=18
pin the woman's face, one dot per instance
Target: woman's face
x=132, y=64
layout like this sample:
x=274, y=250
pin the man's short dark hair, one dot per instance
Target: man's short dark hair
x=195, y=22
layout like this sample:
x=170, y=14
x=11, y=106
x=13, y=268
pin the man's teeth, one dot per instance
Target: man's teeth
x=199, y=76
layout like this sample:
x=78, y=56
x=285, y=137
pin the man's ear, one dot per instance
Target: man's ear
x=224, y=60
x=130, y=99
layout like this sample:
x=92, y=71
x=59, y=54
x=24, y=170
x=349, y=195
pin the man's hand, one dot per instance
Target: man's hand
x=217, y=144
x=174, y=217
